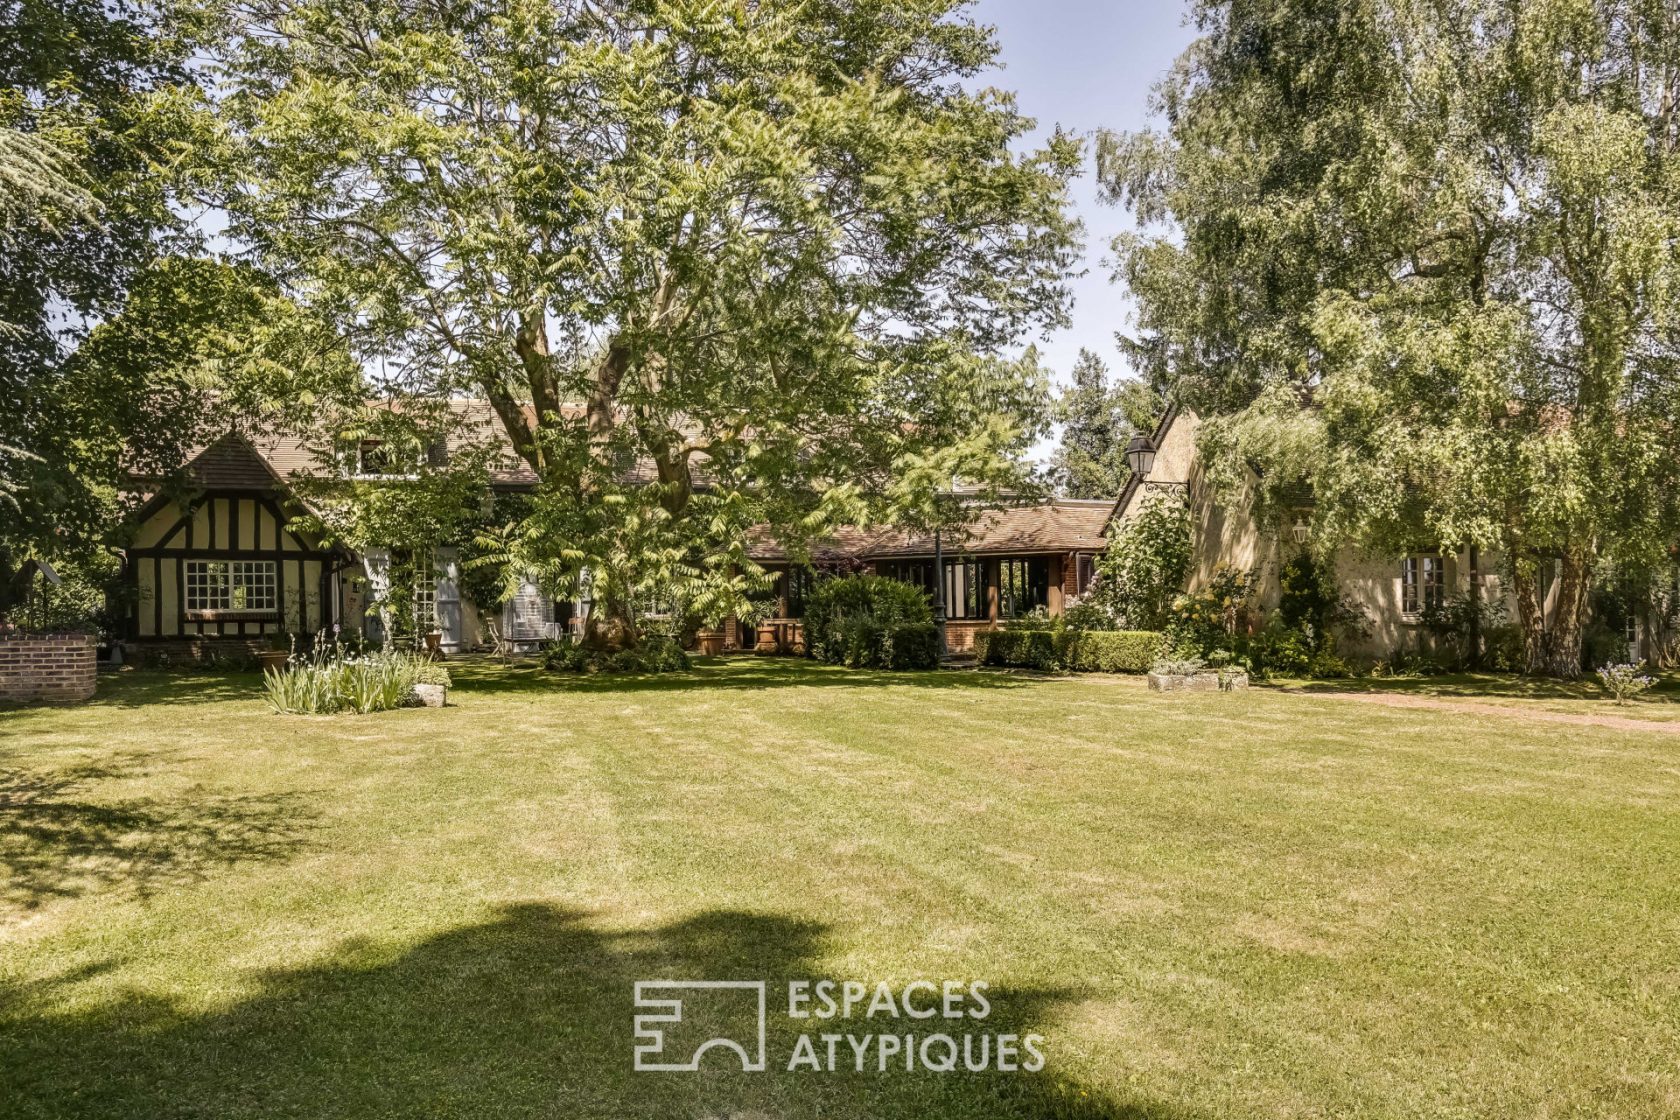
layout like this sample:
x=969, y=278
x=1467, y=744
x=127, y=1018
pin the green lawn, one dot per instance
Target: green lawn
x=1586, y=696
x=1269, y=904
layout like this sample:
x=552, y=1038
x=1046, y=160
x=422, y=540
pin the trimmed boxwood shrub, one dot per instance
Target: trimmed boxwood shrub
x=1026, y=649
x=870, y=622
x=1081, y=651
x=915, y=646
x=1114, y=651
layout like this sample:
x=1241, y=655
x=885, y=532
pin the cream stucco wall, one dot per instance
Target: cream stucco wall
x=1226, y=534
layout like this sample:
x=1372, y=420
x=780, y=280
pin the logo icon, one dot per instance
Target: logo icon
x=666, y=1000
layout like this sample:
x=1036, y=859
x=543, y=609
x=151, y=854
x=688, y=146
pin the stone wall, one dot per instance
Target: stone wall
x=47, y=668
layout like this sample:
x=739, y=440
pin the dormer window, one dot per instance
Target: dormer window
x=374, y=458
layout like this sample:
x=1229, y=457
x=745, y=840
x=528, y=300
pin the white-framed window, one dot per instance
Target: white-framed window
x=231, y=585
x=383, y=459
x=1423, y=584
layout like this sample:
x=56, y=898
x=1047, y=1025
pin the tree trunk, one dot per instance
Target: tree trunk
x=1531, y=614
x=1563, y=644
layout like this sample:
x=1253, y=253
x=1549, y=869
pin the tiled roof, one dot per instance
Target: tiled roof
x=1057, y=525
x=231, y=463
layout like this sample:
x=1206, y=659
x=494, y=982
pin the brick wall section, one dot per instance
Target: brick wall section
x=163, y=653
x=959, y=633
x=47, y=668
x=1070, y=574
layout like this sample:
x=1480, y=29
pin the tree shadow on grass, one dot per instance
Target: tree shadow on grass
x=529, y=1014
x=748, y=674
x=59, y=839
x=142, y=688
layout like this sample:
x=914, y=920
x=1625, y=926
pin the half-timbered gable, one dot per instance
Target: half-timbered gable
x=223, y=563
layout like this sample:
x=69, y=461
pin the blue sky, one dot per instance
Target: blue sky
x=1087, y=64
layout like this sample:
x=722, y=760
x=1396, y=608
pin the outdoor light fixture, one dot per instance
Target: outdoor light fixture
x=1302, y=530
x=1140, y=455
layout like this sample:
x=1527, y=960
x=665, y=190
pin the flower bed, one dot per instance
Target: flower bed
x=329, y=683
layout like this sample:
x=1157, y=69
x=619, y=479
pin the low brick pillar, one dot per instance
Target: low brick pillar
x=47, y=668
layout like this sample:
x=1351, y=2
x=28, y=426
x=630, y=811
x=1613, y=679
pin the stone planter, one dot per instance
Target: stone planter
x=769, y=638
x=431, y=695
x=272, y=659
x=709, y=642
x=1197, y=682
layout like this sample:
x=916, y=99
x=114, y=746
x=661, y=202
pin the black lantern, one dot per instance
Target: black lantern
x=1140, y=455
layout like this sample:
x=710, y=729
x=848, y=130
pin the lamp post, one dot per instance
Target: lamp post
x=939, y=592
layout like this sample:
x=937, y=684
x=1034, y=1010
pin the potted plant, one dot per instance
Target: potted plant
x=279, y=652
x=434, y=639
x=709, y=641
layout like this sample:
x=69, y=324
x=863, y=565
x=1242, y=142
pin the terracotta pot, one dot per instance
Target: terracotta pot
x=710, y=642
x=272, y=659
x=768, y=638
x=433, y=640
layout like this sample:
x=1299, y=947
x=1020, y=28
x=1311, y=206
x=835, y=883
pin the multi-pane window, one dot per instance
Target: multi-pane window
x=965, y=590
x=1423, y=584
x=1023, y=586
x=917, y=572
x=965, y=584
x=796, y=585
x=230, y=585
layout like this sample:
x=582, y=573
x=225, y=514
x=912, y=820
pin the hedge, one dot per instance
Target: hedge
x=1115, y=651
x=1081, y=651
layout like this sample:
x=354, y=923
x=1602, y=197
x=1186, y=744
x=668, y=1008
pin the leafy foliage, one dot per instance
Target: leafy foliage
x=1080, y=651
x=330, y=682
x=1311, y=604
x=1147, y=563
x=706, y=261
x=1098, y=420
x=1455, y=231
x=654, y=654
x=94, y=101
x=1624, y=682
x=870, y=621
x=1210, y=619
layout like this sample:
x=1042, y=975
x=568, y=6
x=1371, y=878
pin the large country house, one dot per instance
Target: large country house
x=224, y=570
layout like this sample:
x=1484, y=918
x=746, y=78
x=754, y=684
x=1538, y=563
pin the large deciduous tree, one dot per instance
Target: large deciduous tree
x=711, y=261
x=1424, y=255
x=95, y=112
